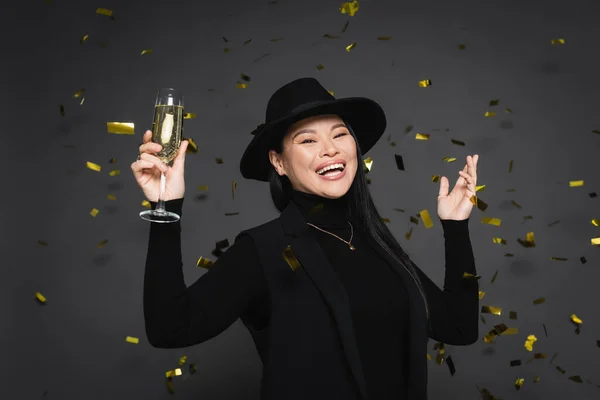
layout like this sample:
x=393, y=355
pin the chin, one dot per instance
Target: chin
x=333, y=189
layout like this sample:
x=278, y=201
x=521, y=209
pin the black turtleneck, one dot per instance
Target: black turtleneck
x=179, y=316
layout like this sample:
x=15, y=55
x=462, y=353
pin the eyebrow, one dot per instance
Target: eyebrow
x=314, y=131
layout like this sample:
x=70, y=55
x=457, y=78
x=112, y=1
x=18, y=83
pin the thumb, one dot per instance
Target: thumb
x=444, y=185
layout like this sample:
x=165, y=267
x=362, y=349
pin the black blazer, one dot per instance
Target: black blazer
x=308, y=349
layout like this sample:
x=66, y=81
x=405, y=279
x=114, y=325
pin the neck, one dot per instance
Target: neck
x=322, y=211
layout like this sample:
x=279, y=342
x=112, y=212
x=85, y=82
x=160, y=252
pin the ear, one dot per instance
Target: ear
x=277, y=162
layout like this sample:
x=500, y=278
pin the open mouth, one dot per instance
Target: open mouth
x=331, y=170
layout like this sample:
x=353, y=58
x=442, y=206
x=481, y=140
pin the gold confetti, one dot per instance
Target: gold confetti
x=408, y=234
x=529, y=241
x=320, y=67
x=327, y=36
x=94, y=212
x=494, y=277
x=275, y=40
x=331, y=92
x=247, y=41
x=596, y=131
x=449, y=159
x=147, y=51
x=462, y=46
x=203, y=188
x=457, y=142
x=498, y=240
x=104, y=11
x=575, y=183
x=540, y=300
x=192, y=146
x=290, y=258
x=508, y=111
x=575, y=319
x=226, y=49
x=576, y=378
x=173, y=372
x=111, y=197
x=40, y=297
x=233, y=186
x=204, y=262
x=114, y=172
x=102, y=243
x=131, y=339
x=120, y=128
x=92, y=166
x=558, y=41
x=399, y=162
x=182, y=360
x=350, y=46
x=345, y=26
x=494, y=102
x=481, y=294
x=189, y=115
x=467, y=275
x=529, y=342
x=425, y=83
x=595, y=221
x=558, y=259
x=349, y=7
x=368, y=164
x=146, y=204
x=170, y=386
x=219, y=160
x=519, y=383
x=62, y=110
x=241, y=85
x=491, y=221
x=426, y=218
x=422, y=136
x=384, y=38
x=245, y=77
x=595, y=241
x=84, y=39
x=490, y=114
x=491, y=310
x=435, y=178
x=43, y=243
x=386, y=220
x=510, y=166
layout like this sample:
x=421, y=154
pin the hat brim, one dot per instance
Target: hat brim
x=364, y=115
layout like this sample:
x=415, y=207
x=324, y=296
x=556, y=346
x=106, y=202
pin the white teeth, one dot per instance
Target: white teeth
x=329, y=167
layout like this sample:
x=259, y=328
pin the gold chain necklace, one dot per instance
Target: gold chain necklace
x=349, y=243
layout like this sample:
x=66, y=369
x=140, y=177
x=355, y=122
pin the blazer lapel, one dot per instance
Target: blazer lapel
x=314, y=262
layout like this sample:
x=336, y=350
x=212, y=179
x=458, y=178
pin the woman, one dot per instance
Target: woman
x=334, y=305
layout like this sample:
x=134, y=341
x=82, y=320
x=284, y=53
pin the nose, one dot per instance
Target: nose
x=329, y=148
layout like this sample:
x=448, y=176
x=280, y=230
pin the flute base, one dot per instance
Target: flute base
x=163, y=217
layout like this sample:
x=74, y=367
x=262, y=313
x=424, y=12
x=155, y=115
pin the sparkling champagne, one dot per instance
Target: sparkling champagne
x=167, y=129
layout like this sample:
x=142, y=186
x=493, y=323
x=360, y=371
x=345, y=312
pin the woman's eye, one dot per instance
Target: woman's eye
x=307, y=140
x=341, y=134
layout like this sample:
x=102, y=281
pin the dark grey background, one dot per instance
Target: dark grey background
x=74, y=347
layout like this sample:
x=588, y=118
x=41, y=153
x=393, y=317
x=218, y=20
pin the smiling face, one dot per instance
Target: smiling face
x=318, y=156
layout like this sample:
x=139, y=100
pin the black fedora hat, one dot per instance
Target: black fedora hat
x=303, y=98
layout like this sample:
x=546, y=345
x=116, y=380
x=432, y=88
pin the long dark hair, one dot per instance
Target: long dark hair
x=361, y=208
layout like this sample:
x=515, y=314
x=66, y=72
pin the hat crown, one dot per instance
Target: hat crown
x=293, y=96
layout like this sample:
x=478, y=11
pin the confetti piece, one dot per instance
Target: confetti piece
x=233, y=186
x=494, y=102
x=595, y=241
x=408, y=129
x=494, y=277
x=512, y=315
x=561, y=370
x=102, y=243
x=508, y=111
x=147, y=51
x=576, y=378
x=182, y=360
x=345, y=26
x=384, y=38
x=104, y=11
x=519, y=383
x=94, y=212
x=350, y=46
x=84, y=39
x=529, y=241
x=290, y=258
x=349, y=7
x=399, y=162
x=226, y=49
x=219, y=246
x=462, y=46
x=245, y=77
x=114, y=172
x=173, y=372
x=576, y=320
x=595, y=221
x=134, y=340
x=558, y=259
x=327, y=36
x=408, y=234
x=457, y=142
x=229, y=214
x=531, y=339
x=92, y=166
x=575, y=183
x=435, y=178
x=491, y=310
x=192, y=146
x=247, y=42
x=596, y=131
x=510, y=166
x=275, y=40
x=467, y=275
x=189, y=115
x=426, y=218
x=146, y=204
x=40, y=298
x=489, y=114
x=241, y=85
x=498, y=240
x=491, y=221
x=219, y=160
x=170, y=386
x=425, y=83
x=540, y=300
x=192, y=368
x=120, y=128
x=422, y=136
x=557, y=41
x=62, y=110
x=368, y=164
x=450, y=364
x=203, y=188
x=111, y=197
x=331, y=92
x=515, y=363
x=481, y=294
x=320, y=67
x=41, y=242
x=449, y=159
x=204, y=262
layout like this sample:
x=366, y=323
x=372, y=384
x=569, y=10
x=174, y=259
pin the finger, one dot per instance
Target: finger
x=150, y=147
x=141, y=165
x=444, y=186
x=147, y=136
x=470, y=181
x=180, y=159
x=156, y=162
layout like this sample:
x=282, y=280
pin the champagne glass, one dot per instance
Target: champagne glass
x=167, y=127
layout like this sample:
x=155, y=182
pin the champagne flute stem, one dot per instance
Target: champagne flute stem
x=160, y=207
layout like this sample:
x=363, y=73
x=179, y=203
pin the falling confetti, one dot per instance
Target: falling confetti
x=120, y=128
x=557, y=41
x=131, y=339
x=425, y=83
x=147, y=51
x=40, y=298
x=349, y=7
x=350, y=46
x=290, y=258
x=93, y=167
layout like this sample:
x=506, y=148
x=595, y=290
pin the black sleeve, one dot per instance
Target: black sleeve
x=454, y=311
x=178, y=316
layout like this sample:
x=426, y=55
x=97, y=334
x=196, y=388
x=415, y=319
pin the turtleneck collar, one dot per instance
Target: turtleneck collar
x=322, y=211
